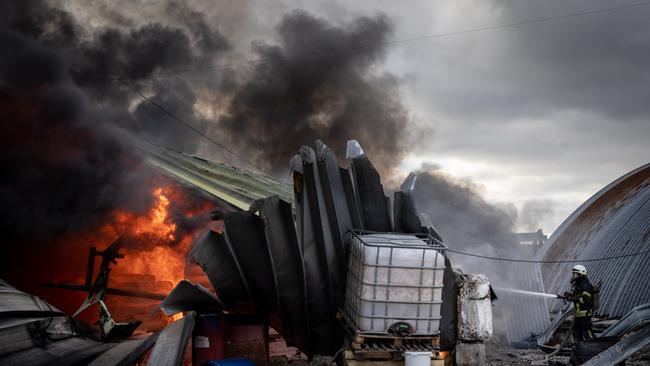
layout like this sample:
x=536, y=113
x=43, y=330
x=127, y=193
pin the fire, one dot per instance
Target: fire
x=177, y=316
x=157, y=244
x=160, y=245
x=156, y=224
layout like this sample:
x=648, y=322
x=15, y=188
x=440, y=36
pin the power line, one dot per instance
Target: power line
x=104, y=92
x=379, y=44
x=194, y=129
x=534, y=261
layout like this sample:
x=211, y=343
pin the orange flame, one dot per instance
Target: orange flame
x=158, y=252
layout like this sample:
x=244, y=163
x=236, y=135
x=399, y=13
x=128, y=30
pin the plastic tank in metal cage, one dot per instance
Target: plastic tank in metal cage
x=394, y=279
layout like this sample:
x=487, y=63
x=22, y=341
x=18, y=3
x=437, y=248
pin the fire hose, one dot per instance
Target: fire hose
x=566, y=337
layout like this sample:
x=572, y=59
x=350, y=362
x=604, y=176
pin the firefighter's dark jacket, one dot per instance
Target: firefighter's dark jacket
x=581, y=295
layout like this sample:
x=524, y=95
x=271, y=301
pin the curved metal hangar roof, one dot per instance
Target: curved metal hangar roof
x=614, y=222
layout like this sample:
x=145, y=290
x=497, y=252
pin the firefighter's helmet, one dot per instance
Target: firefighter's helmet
x=579, y=269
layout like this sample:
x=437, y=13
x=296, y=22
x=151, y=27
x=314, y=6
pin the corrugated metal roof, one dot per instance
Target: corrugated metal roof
x=237, y=187
x=615, y=221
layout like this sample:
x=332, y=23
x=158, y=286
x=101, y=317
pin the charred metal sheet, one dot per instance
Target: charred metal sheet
x=288, y=271
x=405, y=216
x=16, y=338
x=25, y=335
x=219, y=263
x=12, y=322
x=187, y=296
x=625, y=348
x=351, y=198
x=244, y=233
x=68, y=351
x=325, y=333
x=15, y=303
x=636, y=317
x=170, y=346
x=333, y=264
x=336, y=203
x=448, y=309
x=126, y=353
x=372, y=201
x=613, y=222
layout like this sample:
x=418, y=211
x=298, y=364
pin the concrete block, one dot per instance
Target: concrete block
x=470, y=354
x=475, y=308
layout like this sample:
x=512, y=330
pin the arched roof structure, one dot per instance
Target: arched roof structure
x=613, y=222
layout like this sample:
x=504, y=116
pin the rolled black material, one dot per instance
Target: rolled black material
x=372, y=201
x=288, y=270
x=218, y=262
x=292, y=264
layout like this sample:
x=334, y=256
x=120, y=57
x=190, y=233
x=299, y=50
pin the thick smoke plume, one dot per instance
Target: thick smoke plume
x=68, y=162
x=319, y=82
x=71, y=124
x=468, y=223
x=463, y=217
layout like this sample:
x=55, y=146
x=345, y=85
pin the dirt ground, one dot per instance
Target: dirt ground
x=501, y=355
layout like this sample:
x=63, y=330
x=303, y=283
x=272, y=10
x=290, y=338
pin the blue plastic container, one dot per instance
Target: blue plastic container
x=230, y=362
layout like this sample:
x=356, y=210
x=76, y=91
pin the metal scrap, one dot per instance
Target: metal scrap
x=187, y=296
x=625, y=348
x=170, y=346
x=217, y=260
x=636, y=317
x=127, y=352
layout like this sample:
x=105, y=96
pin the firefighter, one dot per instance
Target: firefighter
x=581, y=295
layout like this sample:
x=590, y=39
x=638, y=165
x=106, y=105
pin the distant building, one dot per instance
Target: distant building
x=533, y=241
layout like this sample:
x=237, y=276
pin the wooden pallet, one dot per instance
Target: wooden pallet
x=386, y=346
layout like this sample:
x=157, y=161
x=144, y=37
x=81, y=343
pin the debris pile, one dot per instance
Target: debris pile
x=294, y=270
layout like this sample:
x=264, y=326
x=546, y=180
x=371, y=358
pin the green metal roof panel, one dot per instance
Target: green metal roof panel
x=235, y=186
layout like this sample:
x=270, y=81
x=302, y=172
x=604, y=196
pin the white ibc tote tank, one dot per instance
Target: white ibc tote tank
x=394, y=278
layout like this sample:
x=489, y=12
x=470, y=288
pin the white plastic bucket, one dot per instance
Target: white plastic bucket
x=417, y=358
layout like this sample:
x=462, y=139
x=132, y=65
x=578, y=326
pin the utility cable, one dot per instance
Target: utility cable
x=549, y=261
x=104, y=92
x=189, y=126
x=380, y=44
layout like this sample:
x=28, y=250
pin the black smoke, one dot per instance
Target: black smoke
x=71, y=121
x=319, y=82
x=461, y=214
x=67, y=159
x=470, y=224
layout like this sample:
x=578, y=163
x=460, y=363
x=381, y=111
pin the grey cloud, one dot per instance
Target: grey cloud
x=535, y=213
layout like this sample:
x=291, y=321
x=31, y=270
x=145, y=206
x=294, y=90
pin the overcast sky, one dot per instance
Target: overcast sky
x=539, y=115
x=545, y=113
